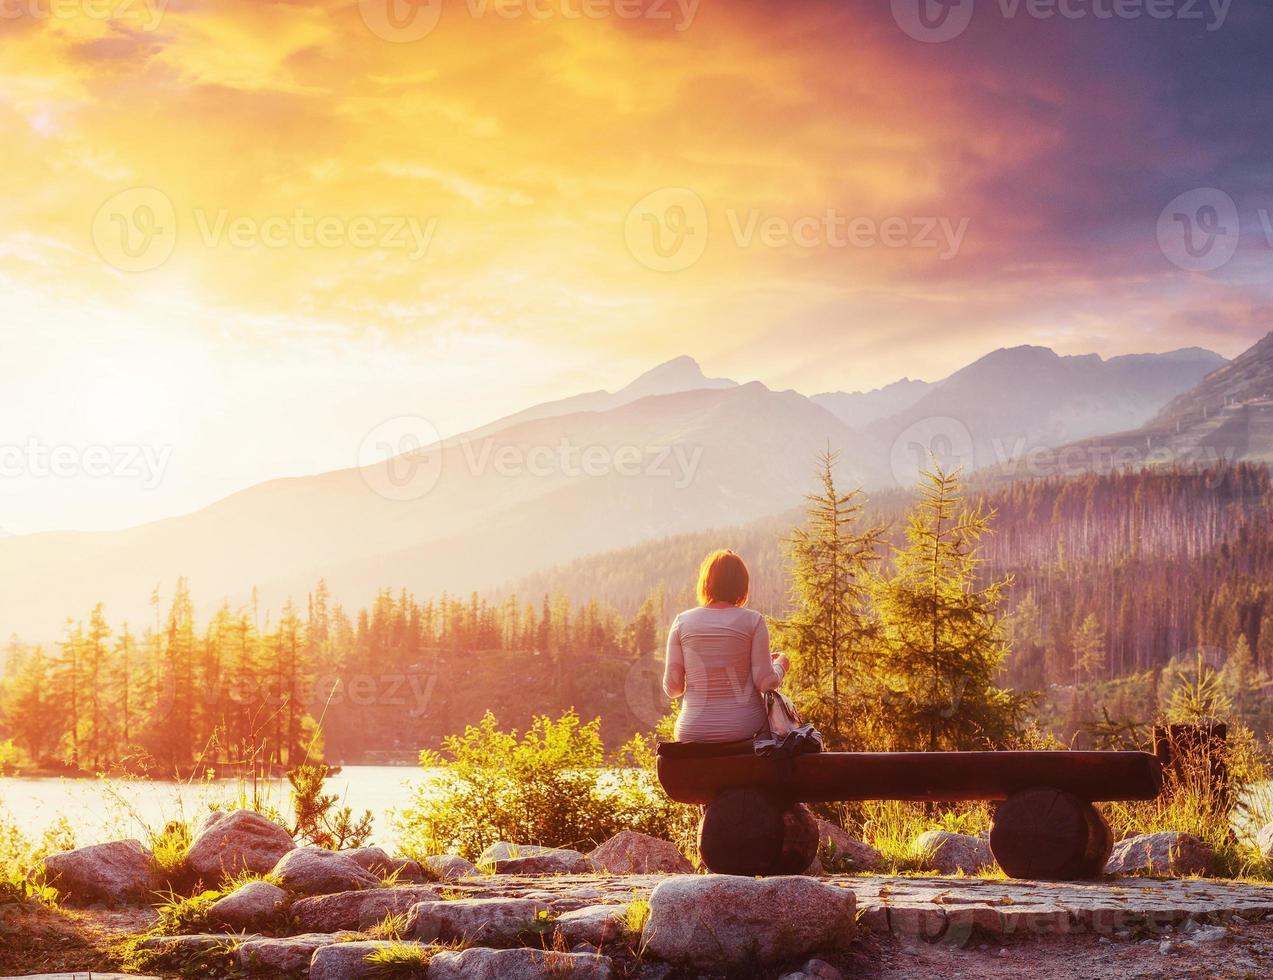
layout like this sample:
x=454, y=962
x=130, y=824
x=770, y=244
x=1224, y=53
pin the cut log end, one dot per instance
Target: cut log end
x=749, y=830
x=1049, y=834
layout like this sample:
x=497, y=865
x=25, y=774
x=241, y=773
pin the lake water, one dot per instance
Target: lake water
x=109, y=809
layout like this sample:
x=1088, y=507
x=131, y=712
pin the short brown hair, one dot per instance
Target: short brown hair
x=723, y=578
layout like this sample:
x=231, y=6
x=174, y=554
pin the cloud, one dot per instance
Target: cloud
x=528, y=141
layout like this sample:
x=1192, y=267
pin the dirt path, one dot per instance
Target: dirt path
x=36, y=939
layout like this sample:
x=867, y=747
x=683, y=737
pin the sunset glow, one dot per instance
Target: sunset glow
x=253, y=230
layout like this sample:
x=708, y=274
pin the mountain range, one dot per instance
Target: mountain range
x=671, y=453
x=1228, y=415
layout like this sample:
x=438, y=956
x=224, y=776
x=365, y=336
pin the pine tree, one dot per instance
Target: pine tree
x=35, y=711
x=93, y=680
x=1089, y=648
x=1239, y=674
x=942, y=639
x=67, y=682
x=830, y=630
x=1197, y=695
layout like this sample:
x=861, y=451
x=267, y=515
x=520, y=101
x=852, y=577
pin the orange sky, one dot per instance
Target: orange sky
x=474, y=189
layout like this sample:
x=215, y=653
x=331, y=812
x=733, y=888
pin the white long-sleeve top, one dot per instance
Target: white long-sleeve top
x=718, y=658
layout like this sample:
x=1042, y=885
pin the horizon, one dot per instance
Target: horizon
x=153, y=461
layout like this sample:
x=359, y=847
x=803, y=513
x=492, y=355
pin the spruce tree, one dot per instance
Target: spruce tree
x=830, y=632
x=1089, y=649
x=942, y=641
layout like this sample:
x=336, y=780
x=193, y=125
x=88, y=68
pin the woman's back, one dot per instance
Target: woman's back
x=722, y=648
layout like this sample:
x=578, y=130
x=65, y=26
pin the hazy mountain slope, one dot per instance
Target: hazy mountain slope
x=1017, y=400
x=672, y=452
x=470, y=515
x=860, y=408
x=1228, y=415
x=1247, y=378
x=679, y=374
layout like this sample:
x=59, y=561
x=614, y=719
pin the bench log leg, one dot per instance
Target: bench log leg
x=748, y=830
x=1050, y=834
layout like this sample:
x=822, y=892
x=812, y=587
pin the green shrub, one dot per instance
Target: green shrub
x=13, y=758
x=169, y=848
x=20, y=857
x=549, y=786
x=181, y=914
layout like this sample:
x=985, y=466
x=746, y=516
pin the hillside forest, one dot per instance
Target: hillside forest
x=1105, y=599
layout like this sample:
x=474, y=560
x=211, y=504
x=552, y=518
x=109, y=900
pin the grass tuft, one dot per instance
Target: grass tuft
x=636, y=916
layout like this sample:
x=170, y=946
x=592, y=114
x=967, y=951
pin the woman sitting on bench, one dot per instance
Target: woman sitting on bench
x=718, y=657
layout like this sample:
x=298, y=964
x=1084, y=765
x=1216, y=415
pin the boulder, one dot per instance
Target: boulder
x=488, y=921
x=631, y=853
x=318, y=871
x=1264, y=841
x=1164, y=853
x=723, y=922
x=518, y=964
x=119, y=872
x=847, y=853
x=228, y=843
x=596, y=925
x=380, y=864
x=449, y=867
x=815, y=970
x=250, y=906
x=348, y=961
x=530, y=859
x=948, y=853
x=357, y=909
x=263, y=957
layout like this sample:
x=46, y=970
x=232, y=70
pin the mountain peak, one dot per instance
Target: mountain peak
x=679, y=374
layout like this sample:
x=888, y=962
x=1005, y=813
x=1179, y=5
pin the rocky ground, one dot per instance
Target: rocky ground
x=630, y=910
x=911, y=927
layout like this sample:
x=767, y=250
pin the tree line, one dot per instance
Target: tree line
x=177, y=696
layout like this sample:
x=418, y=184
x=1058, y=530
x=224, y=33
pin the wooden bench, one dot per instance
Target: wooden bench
x=1044, y=825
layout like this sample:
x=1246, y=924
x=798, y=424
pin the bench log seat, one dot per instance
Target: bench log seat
x=1044, y=826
